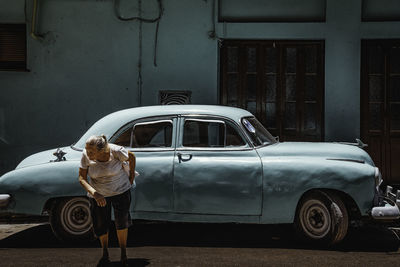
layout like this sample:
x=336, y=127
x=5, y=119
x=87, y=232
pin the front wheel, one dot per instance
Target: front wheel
x=322, y=218
x=70, y=219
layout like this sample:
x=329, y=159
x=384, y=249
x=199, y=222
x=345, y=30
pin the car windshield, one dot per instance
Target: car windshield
x=258, y=134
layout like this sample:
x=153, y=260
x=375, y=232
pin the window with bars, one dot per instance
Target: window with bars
x=13, y=47
x=280, y=82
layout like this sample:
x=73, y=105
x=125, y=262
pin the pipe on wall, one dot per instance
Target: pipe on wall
x=33, y=34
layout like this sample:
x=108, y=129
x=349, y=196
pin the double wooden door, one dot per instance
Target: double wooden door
x=380, y=105
x=280, y=82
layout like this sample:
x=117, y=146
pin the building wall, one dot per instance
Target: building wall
x=87, y=65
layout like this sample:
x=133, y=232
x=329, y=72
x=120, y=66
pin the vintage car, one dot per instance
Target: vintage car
x=214, y=164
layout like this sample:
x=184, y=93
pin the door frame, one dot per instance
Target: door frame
x=384, y=134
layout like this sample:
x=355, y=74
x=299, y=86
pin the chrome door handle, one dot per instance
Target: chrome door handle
x=184, y=157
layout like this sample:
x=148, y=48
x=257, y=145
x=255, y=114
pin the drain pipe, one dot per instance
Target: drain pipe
x=33, y=26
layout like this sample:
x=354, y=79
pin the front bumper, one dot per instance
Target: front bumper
x=388, y=207
x=5, y=200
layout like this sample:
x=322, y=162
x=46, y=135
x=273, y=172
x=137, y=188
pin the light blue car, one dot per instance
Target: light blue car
x=213, y=164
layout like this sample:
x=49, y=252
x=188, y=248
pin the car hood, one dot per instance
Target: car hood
x=329, y=151
x=47, y=156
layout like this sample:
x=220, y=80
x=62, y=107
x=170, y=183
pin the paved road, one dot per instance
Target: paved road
x=175, y=244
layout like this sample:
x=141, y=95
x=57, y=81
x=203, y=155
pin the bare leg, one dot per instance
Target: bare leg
x=122, y=239
x=104, y=244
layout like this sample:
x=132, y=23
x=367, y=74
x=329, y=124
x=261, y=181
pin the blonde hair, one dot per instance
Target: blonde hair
x=99, y=141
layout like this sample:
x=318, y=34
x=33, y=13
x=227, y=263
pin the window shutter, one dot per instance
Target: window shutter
x=13, y=47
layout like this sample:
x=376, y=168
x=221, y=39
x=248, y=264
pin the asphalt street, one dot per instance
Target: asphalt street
x=177, y=244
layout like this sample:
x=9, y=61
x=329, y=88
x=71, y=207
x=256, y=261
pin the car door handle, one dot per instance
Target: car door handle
x=184, y=157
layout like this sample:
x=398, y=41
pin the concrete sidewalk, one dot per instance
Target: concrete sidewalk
x=7, y=230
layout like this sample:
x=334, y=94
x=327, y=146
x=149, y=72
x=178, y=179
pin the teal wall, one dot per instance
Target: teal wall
x=87, y=65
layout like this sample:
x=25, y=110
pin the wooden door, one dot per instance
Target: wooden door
x=380, y=105
x=280, y=82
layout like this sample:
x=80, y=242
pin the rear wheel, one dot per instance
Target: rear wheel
x=322, y=218
x=70, y=219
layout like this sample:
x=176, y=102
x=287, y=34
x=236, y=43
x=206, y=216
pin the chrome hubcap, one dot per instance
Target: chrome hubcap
x=75, y=216
x=315, y=219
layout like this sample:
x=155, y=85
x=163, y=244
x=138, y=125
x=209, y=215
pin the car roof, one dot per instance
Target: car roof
x=149, y=111
x=109, y=124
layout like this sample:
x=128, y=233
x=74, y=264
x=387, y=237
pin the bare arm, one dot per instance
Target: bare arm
x=132, y=166
x=101, y=201
x=84, y=181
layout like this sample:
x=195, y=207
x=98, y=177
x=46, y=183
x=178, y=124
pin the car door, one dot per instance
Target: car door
x=153, y=142
x=215, y=169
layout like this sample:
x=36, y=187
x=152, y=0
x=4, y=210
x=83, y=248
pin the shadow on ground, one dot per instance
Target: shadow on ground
x=367, y=238
x=137, y=262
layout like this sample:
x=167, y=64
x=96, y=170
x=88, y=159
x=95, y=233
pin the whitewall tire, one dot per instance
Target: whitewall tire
x=70, y=219
x=322, y=218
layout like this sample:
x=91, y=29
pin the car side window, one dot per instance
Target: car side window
x=210, y=133
x=147, y=134
x=233, y=138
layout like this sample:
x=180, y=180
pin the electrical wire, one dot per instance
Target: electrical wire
x=147, y=20
x=141, y=21
x=139, y=18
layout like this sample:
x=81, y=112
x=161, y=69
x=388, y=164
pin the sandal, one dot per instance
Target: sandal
x=124, y=262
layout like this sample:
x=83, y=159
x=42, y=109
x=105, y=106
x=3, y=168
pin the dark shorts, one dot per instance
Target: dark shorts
x=101, y=216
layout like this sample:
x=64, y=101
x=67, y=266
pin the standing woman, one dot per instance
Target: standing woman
x=109, y=185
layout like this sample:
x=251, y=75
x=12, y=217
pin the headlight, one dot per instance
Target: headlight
x=378, y=177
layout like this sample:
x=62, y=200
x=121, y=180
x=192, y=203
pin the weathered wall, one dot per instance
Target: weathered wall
x=87, y=65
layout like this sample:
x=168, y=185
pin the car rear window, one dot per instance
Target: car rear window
x=147, y=134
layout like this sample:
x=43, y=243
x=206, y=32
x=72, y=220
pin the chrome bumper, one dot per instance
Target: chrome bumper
x=389, y=205
x=4, y=200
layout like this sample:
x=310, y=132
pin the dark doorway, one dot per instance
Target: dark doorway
x=280, y=82
x=380, y=105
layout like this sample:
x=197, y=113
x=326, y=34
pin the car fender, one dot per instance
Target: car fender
x=287, y=179
x=31, y=187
